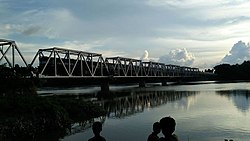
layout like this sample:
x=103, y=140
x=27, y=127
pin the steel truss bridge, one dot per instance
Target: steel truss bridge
x=55, y=63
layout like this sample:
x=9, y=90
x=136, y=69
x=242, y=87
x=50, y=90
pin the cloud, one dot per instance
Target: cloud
x=145, y=56
x=178, y=57
x=57, y=23
x=92, y=47
x=238, y=53
x=3, y=30
x=31, y=30
x=132, y=25
x=216, y=9
x=82, y=20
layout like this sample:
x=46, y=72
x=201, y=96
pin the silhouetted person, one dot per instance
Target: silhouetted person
x=156, y=130
x=97, y=128
x=167, y=129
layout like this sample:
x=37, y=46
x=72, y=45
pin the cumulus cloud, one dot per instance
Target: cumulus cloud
x=239, y=53
x=178, y=57
x=145, y=56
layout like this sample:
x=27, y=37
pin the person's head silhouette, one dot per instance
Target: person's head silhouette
x=97, y=128
x=157, y=127
x=156, y=130
x=167, y=126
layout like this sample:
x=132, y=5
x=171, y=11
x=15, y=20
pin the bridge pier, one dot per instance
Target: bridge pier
x=105, y=87
x=142, y=84
x=164, y=83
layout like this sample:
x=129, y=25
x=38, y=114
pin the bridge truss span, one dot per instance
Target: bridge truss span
x=59, y=62
x=66, y=62
x=120, y=66
x=60, y=66
x=8, y=51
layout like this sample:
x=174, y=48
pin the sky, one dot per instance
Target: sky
x=196, y=33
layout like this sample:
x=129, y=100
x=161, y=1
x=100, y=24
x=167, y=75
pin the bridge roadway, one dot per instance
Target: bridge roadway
x=59, y=66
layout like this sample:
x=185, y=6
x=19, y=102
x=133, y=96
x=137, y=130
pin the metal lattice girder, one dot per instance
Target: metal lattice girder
x=67, y=62
x=173, y=70
x=121, y=66
x=5, y=46
x=154, y=69
x=188, y=71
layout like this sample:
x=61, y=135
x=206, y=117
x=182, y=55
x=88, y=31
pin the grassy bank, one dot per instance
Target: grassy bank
x=41, y=118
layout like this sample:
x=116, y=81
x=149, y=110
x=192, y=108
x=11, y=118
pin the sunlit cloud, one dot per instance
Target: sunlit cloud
x=239, y=53
x=145, y=56
x=178, y=57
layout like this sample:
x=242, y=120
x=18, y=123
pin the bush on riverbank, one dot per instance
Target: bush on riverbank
x=17, y=86
x=44, y=118
x=26, y=116
x=16, y=81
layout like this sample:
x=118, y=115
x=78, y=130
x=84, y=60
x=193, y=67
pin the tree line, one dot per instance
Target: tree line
x=13, y=81
x=233, y=72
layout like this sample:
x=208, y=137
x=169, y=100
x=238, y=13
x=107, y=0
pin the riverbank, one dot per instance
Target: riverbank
x=42, y=118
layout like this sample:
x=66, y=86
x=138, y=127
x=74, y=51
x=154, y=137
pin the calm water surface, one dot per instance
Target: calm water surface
x=203, y=112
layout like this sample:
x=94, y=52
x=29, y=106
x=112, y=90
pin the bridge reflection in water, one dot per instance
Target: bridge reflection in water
x=131, y=103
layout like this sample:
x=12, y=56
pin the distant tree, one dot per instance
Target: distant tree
x=6, y=72
x=233, y=72
x=13, y=81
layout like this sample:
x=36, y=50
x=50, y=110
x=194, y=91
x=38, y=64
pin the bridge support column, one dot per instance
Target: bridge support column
x=142, y=84
x=164, y=83
x=105, y=87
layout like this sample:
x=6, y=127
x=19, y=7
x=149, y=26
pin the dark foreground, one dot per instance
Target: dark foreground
x=42, y=118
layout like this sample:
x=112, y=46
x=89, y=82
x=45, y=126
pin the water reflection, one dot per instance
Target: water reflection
x=240, y=98
x=137, y=102
x=130, y=103
x=213, y=112
x=186, y=102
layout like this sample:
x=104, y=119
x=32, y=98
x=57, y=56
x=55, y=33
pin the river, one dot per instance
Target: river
x=205, y=111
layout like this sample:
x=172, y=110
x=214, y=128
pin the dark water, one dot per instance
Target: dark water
x=203, y=112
